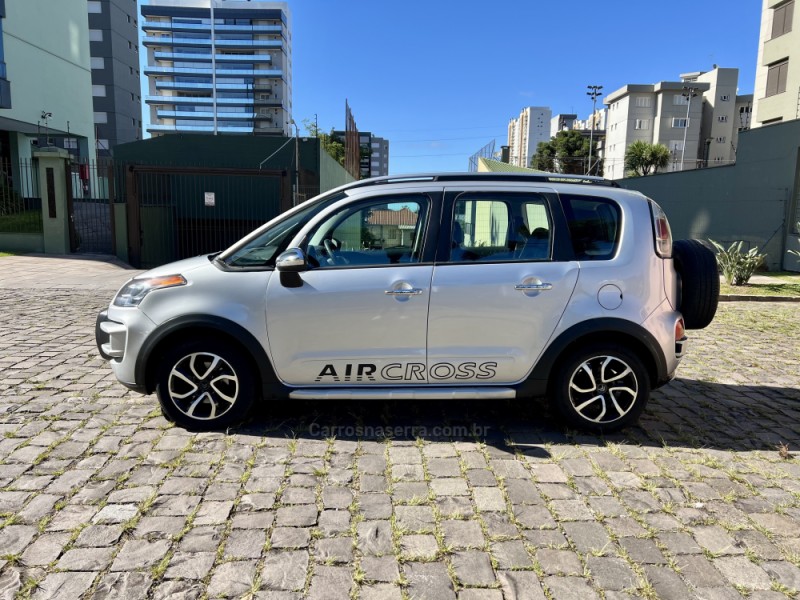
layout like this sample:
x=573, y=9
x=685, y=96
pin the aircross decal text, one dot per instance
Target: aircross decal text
x=367, y=372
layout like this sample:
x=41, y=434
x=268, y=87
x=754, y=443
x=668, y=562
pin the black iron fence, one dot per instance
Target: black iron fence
x=20, y=201
x=91, y=187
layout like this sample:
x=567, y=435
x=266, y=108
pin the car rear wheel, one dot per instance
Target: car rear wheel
x=601, y=388
x=696, y=265
x=205, y=385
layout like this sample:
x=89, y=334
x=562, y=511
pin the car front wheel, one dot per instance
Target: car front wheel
x=205, y=385
x=601, y=388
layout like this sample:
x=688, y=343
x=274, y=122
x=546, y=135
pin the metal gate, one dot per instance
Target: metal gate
x=179, y=212
x=90, y=192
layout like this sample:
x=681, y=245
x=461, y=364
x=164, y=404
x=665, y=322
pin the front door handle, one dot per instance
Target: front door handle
x=411, y=292
x=533, y=287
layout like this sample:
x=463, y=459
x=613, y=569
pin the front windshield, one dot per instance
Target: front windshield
x=263, y=248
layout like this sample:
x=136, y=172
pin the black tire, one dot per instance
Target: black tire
x=205, y=385
x=698, y=297
x=582, y=394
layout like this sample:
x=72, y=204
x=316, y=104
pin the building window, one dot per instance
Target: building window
x=70, y=143
x=98, y=62
x=721, y=139
x=102, y=144
x=95, y=6
x=776, y=78
x=680, y=100
x=680, y=123
x=100, y=117
x=642, y=124
x=95, y=35
x=643, y=102
x=722, y=118
x=724, y=97
x=99, y=91
x=782, y=19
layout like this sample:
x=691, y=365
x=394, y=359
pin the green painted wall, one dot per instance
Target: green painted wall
x=331, y=173
x=756, y=200
x=21, y=242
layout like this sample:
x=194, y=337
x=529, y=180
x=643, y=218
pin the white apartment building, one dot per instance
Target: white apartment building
x=701, y=130
x=777, y=86
x=525, y=133
x=218, y=66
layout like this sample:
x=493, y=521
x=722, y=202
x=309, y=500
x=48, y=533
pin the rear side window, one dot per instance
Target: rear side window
x=594, y=226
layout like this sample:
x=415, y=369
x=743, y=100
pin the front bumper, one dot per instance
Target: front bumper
x=118, y=338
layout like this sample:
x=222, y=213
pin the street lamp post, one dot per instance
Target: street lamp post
x=594, y=92
x=296, y=163
x=688, y=92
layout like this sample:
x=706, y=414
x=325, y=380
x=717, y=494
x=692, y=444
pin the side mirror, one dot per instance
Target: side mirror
x=292, y=261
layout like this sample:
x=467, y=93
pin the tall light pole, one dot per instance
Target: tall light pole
x=296, y=163
x=688, y=92
x=594, y=92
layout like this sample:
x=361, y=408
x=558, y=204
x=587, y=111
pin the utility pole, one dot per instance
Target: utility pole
x=688, y=92
x=296, y=163
x=594, y=92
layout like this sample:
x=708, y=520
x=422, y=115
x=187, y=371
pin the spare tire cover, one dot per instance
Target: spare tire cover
x=697, y=266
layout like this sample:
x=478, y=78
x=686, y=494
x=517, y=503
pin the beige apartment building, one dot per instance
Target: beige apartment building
x=698, y=118
x=777, y=86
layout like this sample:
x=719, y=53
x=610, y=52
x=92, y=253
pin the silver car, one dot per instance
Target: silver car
x=456, y=286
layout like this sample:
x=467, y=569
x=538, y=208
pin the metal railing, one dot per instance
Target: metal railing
x=20, y=201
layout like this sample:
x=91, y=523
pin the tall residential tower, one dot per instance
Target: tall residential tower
x=114, y=50
x=525, y=133
x=218, y=66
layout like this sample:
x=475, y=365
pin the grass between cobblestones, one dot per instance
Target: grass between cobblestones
x=99, y=495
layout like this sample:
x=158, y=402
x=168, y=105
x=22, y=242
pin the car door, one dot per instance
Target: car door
x=359, y=315
x=503, y=277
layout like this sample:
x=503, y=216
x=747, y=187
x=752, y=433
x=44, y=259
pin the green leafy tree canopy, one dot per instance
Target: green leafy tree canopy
x=567, y=152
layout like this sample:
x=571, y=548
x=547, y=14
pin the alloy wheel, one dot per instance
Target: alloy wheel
x=603, y=389
x=203, y=386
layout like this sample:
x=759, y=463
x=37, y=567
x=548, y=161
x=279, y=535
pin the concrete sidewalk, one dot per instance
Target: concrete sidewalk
x=40, y=271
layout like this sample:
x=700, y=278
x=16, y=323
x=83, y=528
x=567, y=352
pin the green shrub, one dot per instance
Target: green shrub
x=738, y=266
x=795, y=252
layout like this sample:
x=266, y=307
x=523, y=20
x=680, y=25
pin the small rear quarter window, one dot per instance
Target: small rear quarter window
x=594, y=226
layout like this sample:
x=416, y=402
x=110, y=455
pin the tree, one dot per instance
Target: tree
x=567, y=152
x=642, y=158
x=544, y=159
x=330, y=143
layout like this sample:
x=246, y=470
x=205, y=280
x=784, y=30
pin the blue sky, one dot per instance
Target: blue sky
x=440, y=79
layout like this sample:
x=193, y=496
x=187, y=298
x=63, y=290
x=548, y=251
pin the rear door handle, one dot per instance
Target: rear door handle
x=411, y=292
x=533, y=287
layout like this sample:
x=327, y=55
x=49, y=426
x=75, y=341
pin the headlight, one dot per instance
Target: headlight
x=133, y=292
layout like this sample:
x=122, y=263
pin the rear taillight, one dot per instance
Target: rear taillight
x=680, y=330
x=663, y=235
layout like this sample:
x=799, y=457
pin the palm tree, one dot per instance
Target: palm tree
x=642, y=157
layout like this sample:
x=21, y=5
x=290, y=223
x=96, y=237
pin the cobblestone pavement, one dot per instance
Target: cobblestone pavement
x=100, y=497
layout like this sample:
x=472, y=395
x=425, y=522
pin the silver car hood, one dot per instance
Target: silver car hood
x=180, y=267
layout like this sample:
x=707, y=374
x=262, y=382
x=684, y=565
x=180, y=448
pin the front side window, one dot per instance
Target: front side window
x=594, y=226
x=263, y=246
x=505, y=228
x=378, y=232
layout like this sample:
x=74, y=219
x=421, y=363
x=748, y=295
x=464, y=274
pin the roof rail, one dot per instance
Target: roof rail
x=525, y=177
